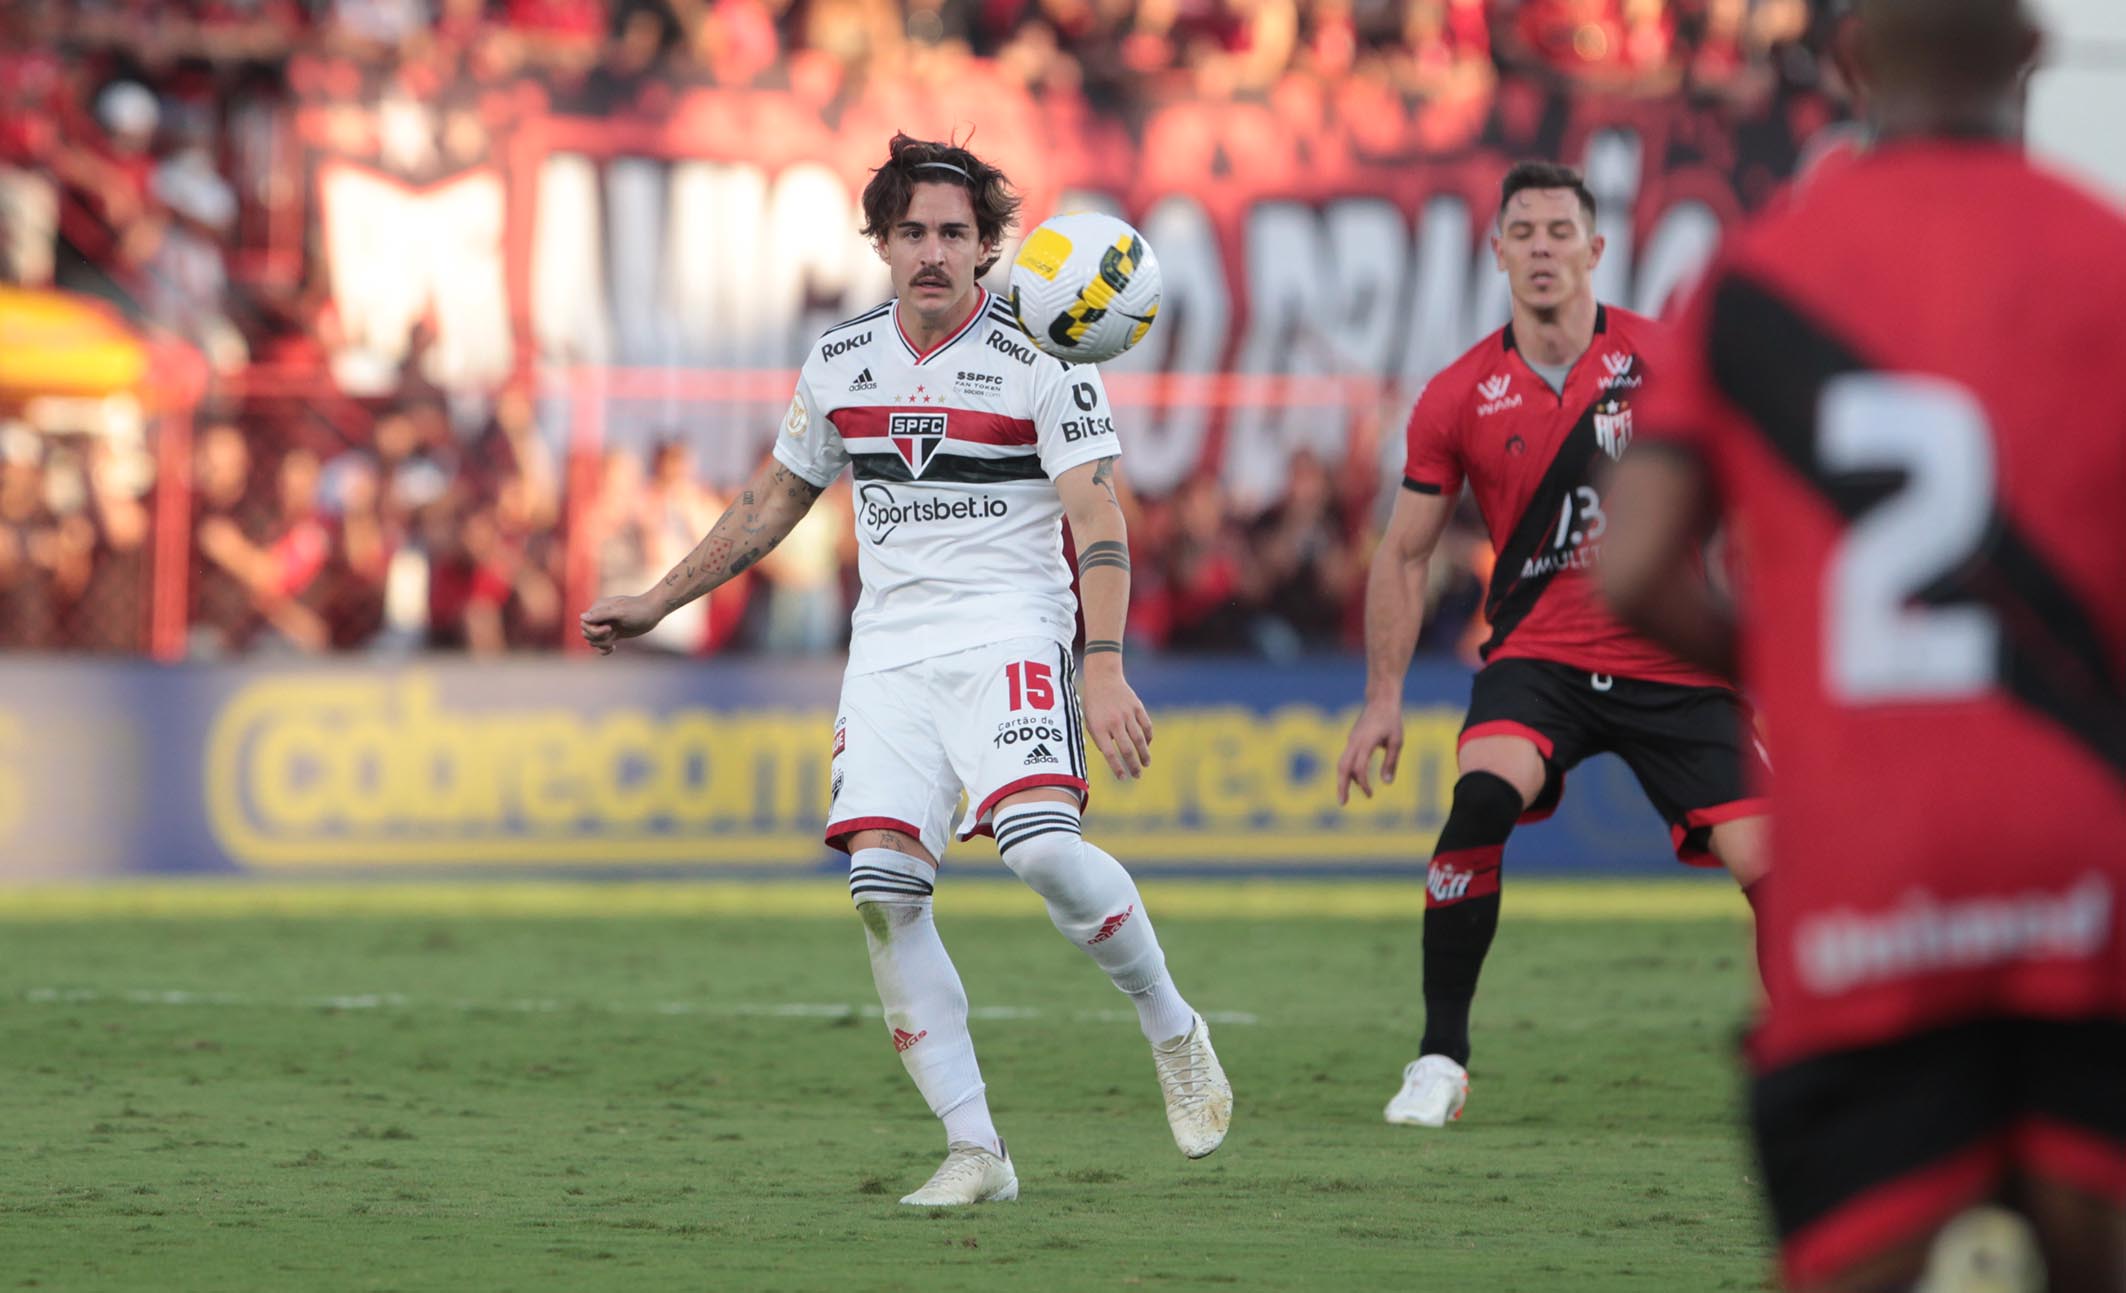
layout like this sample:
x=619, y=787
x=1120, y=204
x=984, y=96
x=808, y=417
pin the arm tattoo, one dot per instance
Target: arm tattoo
x=1107, y=552
x=747, y=531
x=1099, y=646
x=1104, y=476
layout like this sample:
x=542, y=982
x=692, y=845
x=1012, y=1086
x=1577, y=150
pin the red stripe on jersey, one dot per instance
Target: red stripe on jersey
x=981, y=302
x=968, y=426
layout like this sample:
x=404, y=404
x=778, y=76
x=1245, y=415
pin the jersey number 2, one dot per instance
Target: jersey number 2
x=1879, y=645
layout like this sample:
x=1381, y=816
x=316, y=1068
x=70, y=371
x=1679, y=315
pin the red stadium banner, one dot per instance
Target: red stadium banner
x=1324, y=249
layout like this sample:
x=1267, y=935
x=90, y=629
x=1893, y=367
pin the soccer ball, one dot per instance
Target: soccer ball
x=1085, y=287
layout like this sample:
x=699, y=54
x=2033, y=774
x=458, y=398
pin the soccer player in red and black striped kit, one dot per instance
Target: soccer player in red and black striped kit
x=1528, y=418
x=1904, y=387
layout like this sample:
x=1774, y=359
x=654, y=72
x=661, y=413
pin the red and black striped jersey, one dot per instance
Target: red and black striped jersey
x=1530, y=455
x=1906, y=386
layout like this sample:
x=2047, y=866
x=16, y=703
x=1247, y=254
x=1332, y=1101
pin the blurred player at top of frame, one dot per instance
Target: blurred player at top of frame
x=1902, y=386
x=1527, y=417
x=968, y=448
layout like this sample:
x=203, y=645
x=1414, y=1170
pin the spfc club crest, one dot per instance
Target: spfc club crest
x=1612, y=419
x=916, y=437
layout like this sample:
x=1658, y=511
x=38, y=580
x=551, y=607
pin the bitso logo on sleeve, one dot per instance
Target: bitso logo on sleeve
x=916, y=437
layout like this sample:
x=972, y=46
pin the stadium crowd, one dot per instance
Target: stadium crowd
x=145, y=159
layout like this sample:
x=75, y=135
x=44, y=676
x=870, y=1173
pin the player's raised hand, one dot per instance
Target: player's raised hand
x=1117, y=722
x=1379, y=727
x=610, y=619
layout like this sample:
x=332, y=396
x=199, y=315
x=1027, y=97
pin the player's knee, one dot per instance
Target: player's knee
x=1484, y=810
x=888, y=888
x=1743, y=848
x=1042, y=844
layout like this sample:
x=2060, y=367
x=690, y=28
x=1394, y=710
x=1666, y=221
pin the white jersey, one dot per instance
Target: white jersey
x=955, y=454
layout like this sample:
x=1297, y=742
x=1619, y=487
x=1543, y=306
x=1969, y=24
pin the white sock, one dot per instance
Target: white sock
x=924, y=1001
x=1095, y=904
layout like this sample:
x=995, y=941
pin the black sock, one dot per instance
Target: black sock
x=1462, y=907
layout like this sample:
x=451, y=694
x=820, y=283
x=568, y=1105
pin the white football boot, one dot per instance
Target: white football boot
x=1199, y=1100
x=969, y=1174
x=1434, y=1090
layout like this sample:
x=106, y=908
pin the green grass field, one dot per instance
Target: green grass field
x=645, y=1092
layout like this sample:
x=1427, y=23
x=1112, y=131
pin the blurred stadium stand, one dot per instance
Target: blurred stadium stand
x=385, y=325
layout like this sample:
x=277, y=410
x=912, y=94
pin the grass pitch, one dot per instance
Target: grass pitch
x=665, y=1088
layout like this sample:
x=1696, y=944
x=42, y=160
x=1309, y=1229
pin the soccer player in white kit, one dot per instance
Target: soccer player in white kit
x=969, y=448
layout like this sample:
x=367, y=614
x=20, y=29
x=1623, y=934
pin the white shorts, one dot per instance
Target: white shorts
x=993, y=721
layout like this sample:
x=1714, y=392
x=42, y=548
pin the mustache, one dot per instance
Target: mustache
x=932, y=276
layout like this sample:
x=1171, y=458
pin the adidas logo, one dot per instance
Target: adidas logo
x=863, y=382
x=1109, y=926
x=903, y=1039
x=1040, y=754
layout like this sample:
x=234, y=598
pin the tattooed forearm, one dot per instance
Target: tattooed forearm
x=1103, y=646
x=765, y=512
x=1107, y=553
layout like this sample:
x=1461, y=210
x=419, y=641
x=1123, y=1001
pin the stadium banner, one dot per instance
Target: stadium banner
x=666, y=261
x=634, y=767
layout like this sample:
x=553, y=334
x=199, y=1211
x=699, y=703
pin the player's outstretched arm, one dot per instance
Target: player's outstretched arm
x=1395, y=611
x=1658, y=505
x=767, y=509
x=1114, y=717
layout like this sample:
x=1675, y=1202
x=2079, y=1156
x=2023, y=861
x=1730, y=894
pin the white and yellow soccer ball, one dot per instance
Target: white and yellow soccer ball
x=1085, y=287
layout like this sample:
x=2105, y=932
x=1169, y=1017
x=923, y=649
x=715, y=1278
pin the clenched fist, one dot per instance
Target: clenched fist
x=612, y=618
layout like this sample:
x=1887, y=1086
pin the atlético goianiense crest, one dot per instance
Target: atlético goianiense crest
x=1612, y=419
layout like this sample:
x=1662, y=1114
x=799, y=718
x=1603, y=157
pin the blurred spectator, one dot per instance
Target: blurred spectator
x=1304, y=566
x=468, y=576
x=738, y=40
x=186, y=277
x=677, y=509
x=111, y=611
x=1206, y=573
x=806, y=611
x=28, y=542
x=222, y=616
x=106, y=224
x=379, y=22
x=31, y=88
x=364, y=543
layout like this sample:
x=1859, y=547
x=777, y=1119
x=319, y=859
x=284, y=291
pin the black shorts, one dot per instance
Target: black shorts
x=1692, y=748
x=1866, y=1150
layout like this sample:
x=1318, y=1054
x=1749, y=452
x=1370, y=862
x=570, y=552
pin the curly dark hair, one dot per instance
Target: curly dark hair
x=911, y=161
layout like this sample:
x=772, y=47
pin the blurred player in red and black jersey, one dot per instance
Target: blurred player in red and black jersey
x=1903, y=387
x=1526, y=418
